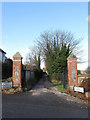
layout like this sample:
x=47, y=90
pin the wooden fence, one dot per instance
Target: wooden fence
x=29, y=78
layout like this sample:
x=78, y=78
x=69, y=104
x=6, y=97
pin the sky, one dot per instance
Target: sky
x=23, y=22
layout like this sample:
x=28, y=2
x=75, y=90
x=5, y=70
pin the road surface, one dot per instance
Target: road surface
x=43, y=101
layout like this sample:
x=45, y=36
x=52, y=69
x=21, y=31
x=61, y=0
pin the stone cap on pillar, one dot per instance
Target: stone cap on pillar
x=17, y=55
x=71, y=56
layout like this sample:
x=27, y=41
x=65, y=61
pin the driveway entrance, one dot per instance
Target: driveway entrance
x=43, y=101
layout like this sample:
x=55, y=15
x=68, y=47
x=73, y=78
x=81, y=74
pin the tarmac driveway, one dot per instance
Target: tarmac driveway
x=43, y=101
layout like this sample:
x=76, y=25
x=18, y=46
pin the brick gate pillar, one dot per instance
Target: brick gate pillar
x=72, y=71
x=17, y=69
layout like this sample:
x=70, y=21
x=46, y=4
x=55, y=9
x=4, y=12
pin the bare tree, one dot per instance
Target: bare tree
x=61, y=37
x=33, y=57
x=47, y=37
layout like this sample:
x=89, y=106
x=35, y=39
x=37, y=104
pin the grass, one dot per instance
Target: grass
x=58, y=85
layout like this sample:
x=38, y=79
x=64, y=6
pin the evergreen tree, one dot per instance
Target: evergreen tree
x=49, y=58
x=64, y=53
x=56, y=47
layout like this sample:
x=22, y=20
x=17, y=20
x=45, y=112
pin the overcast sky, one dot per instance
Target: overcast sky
x=23, y=22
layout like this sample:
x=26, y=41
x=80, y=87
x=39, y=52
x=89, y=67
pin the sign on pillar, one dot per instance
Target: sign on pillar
x=17, y=69
x=72, y=71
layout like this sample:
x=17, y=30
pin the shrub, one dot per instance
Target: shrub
x=86, y=84
x=78, y=72
x=7, y=80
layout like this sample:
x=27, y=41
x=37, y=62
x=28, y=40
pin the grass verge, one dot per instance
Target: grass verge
x=58, y=85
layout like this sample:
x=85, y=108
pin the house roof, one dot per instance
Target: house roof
x=2, y=51
x=17, y=55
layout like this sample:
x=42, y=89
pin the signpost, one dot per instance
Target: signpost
x=78, y=89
